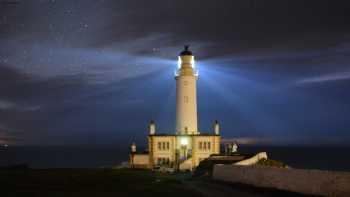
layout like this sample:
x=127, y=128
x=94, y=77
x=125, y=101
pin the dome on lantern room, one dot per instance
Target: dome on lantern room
x=186, y=51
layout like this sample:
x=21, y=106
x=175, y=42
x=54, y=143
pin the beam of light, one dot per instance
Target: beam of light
x=245, y=94
x=166, y=114
x=117, y=83
x=193, y=63
x=100, y=66
x=325, y=78
x=196, y=73
x=265, y=108
x=114, y=61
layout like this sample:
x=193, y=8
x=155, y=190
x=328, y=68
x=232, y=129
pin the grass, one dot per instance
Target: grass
x=119, y=183
x=91, y=182
x=272, y=163
x=204, y=169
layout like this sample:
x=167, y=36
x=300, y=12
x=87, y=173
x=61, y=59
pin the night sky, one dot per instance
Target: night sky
x=96, y=72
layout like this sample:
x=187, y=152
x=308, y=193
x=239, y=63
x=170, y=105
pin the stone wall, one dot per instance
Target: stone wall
x=186, y=165
x=253, y=160
x=139, y=160
x=316, y=182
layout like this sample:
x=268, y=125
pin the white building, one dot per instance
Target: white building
x=187, y=146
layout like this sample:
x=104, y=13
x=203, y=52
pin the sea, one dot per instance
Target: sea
x=40, y=157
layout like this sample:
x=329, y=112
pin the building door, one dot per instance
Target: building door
x=183, y=152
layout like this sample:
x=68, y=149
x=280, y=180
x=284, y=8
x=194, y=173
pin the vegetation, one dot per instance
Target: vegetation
x=91, y=182
x=204, y=169
x=272, y=163
x=119, y=182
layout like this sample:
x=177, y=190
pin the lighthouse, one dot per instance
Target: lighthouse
x=185, y=148
x=186, y=94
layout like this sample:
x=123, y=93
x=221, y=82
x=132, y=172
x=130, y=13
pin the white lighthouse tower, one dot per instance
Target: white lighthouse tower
x=186, y=94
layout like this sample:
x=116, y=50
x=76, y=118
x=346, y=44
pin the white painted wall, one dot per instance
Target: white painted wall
x=253, y=160
x=186, y=97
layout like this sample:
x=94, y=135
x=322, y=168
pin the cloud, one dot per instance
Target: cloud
x=26, y=101
x=291, y=140
x=85, y=65
x=6, y=105
x=325, y=78
x=248, y=140
x=33, y=109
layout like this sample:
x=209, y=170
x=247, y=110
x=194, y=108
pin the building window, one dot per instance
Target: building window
x=163, y=161
x=208, y=145
x=205, y=145
x=186, y=99
x=200, y=145
x=163, y=145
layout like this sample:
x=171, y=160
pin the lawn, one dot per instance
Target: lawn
x=91, y=182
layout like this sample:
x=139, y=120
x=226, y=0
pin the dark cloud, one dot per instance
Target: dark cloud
x=237, y=26
x=26, y=102
x=96, y=71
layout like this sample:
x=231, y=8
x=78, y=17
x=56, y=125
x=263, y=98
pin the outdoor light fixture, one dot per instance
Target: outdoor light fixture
x=184, y=141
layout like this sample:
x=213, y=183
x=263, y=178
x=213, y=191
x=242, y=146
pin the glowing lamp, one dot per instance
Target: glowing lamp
x=179, y=63
x=184, y=141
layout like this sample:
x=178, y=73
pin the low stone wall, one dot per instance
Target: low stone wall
x=253, y=160
x=186, y=165
x=139, y=160
x=316, y=182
